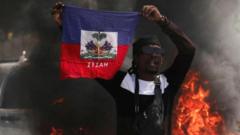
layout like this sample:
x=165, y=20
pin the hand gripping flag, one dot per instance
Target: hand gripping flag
x=94, y=43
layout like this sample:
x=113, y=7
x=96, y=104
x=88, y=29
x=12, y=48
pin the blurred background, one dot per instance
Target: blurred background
x=29, y=53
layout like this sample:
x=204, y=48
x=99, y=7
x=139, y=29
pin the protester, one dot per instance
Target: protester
x=144, y=85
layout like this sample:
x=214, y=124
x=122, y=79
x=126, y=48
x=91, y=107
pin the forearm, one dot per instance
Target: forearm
x=179, y=38
x=186, y=51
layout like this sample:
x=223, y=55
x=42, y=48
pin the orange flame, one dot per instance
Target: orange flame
x=56, y=131
x=58, y=101
x=193, y=114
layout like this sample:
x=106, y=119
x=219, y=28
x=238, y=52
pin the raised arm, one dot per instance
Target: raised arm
x=176, y=72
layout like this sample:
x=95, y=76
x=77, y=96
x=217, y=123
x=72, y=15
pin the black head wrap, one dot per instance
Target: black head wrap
x=144, y=41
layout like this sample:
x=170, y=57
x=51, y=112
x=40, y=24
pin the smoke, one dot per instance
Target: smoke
x=16, y=122
x=218, y=56
x=214, y=25
x=28, y=25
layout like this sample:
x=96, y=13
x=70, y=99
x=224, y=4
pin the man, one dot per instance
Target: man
x=148, y=57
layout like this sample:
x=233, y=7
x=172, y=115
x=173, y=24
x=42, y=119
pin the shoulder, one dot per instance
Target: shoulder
x=119, y=75
x=115, y=81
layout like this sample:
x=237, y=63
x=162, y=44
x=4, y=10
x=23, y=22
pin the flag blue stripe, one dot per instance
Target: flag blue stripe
x=76, y=19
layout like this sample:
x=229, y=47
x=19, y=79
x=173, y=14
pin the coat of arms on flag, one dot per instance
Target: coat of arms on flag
x=98, y=45
x=94, y=43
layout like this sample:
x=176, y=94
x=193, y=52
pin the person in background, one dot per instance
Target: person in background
x=139, y=81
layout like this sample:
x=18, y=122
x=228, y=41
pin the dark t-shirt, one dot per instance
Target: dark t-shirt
x=175, y=75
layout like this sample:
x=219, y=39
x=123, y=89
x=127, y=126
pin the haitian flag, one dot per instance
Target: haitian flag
x=94, y=43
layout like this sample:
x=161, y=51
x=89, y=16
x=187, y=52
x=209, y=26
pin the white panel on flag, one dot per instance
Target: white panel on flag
x=98, y=45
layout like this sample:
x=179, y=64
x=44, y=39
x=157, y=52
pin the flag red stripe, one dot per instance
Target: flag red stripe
x=72, y=66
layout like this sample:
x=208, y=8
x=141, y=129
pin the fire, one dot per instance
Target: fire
x=58, y=101
x=71, y=131
x=56, y=131
x=193, y=114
